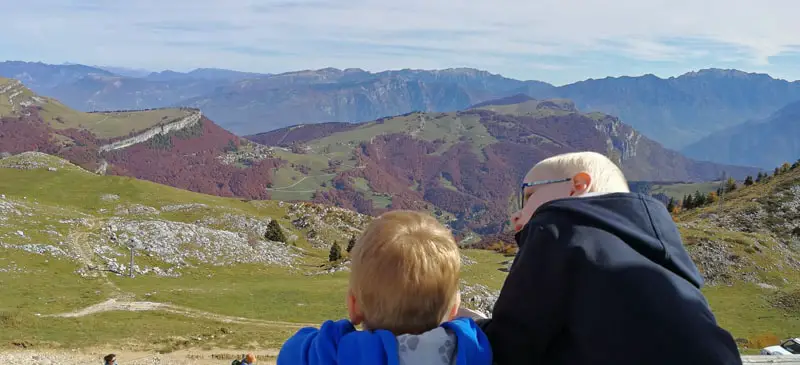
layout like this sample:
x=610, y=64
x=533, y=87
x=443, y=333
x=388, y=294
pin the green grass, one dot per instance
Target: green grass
x=745, y=311
x=49, y=286
x=159, y=331
x=291, y=195
x=82, y=192
x=532, y=108
x=378, y=200
x=448, y=127
x=249, y=291
x=486, y=270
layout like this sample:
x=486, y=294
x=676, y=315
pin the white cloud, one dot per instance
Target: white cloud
x=280, y=35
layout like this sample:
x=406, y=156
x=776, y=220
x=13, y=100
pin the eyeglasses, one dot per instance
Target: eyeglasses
x=523, y=200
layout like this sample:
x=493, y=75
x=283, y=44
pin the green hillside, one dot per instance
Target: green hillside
x=206, y=278
x=203, y=267
x=14, y=97
x=749, y=251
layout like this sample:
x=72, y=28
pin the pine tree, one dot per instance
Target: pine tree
x=351, y=244
x=699, y=199
x=748, y=180
x=730, y=185
x=760, y=177
x=777, y=171
x=671, y=205
x=336, y=253
x=688, y=202
x=274, y=232
x=796, y=164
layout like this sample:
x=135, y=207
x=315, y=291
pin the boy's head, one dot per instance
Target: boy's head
x=404, y=274
x=589, y=172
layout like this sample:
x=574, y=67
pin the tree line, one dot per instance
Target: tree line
x=698, y=199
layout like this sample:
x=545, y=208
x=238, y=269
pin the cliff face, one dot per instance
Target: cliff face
x=185, y=122
x=356, y=102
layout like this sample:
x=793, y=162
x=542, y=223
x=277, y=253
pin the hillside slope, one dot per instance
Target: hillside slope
x=178, y=147
x=463, y=166
x=204, y=273
x=748, y=249
x=764, y=143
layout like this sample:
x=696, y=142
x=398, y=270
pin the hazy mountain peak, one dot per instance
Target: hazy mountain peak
x=722, y=73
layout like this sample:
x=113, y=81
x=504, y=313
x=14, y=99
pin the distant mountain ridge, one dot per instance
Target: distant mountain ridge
x=675, y=111
x=764, y=143
x=680, y=110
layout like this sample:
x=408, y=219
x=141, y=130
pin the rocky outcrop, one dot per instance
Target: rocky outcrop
x=182, y=123
x=37, y=160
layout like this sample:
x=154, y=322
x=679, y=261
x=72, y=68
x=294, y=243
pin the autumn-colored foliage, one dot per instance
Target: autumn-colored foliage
x=763, y=340
x=186, y=159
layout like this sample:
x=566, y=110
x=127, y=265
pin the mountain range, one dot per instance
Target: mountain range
x=676, y=111
x=754, y=143
x=463, y=166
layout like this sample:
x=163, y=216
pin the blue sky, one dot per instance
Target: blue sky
x=558, y=41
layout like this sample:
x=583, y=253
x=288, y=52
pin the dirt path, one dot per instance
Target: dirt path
x=95, y=356
x=131, y=306
x=78, y=238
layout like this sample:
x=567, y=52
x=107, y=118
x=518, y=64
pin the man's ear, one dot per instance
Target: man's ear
x=353, y=310
x=580, y=183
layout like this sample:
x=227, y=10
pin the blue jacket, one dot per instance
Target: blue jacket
x=340, y=343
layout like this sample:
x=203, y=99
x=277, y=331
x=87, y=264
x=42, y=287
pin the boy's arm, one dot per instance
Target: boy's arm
x=532, y=305
x=311, y=343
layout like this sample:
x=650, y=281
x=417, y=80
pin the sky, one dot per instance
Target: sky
x=557, y=41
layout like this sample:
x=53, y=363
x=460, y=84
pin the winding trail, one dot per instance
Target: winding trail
x=133, y=306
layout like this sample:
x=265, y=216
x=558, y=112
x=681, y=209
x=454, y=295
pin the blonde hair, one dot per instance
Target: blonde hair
x=606, y=176
x=405, y=272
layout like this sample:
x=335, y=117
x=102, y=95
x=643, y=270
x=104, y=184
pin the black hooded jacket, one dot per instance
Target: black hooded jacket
x=605, y=280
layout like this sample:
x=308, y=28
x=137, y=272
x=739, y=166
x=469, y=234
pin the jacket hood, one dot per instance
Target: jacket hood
x=458, y=342
x=641, y=221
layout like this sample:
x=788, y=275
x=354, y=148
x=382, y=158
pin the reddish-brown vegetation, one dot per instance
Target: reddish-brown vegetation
x=186, y=159
x=26, y=133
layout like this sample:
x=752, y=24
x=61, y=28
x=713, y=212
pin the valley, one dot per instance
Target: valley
x=195, y=201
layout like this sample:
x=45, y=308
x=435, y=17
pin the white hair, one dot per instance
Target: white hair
x=606, y=176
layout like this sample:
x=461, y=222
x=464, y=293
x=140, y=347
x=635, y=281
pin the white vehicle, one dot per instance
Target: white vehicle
x=788, y=347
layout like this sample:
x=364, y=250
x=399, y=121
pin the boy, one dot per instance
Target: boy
x=601, y=277
x=404, y=291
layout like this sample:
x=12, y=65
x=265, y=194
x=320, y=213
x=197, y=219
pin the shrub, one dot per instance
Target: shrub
x=274, y=232
x=336, y=252
x=763, y=340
